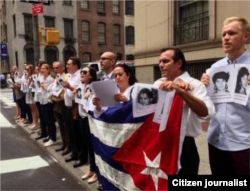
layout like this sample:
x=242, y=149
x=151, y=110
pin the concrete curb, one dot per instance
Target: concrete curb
x=57, y=157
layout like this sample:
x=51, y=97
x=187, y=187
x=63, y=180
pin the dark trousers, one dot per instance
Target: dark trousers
x=71, y=127
x=229, y=162
x=42, y=120
x=48, y=114
x=190, y=159
x=26, y=108
x=88, y=146
x=59, y=108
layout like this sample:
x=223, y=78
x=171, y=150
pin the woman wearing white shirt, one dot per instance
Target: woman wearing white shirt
x=47, y=106
x=125, y=80
x=88, y=75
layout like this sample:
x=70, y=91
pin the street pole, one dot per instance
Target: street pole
x=36, y=39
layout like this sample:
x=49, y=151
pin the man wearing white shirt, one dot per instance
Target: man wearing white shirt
x=229, y=131
x=174, y=77
x=72, y=115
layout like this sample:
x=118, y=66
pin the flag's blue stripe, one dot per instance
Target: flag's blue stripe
x=106, y=153
x=108, y=186
x=120, y=114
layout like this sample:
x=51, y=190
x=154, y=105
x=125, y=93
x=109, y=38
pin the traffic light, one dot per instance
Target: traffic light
x=40, y=37
x=52, y=37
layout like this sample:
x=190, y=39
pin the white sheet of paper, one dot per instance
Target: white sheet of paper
x=166, y=109
x=145, y=97
x=105, y=91
x=57, y=89
x=10, y=83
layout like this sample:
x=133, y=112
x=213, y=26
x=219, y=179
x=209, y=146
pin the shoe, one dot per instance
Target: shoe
x=34, y=127
x=70, y=159
x=40, y=137
x=46, y=139
x=60, y=149
x=66, y=151
x=49, y=143
x=27, y=122
x=78, y=163
x=93, y=179
x=87, y=175
x=99, y=187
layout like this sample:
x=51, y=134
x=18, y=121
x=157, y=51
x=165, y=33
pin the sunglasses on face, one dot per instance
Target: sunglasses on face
x=55, y=68
x=84, y=72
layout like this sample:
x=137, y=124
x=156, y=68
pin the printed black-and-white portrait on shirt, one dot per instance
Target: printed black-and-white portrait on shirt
x=38, y=84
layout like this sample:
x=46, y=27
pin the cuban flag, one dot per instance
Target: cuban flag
x=131, y=153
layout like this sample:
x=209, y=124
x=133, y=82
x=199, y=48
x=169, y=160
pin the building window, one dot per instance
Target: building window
x=86, y=57
x=16, y=55
x=101, y=6
x=6, y=32
x=130, y=57
x=28, y=25
x=30, y=55
x=85, y=31
x=129, y=7
x=14, y=24
x=116, y=6
x=51, y=54
x=84, y=4
x=117, y=34
x=191, y=22
x=101, y=33
x=68, y=2
x=130, y=35
x=68, y=28
x=49, y=22
x=119, y=56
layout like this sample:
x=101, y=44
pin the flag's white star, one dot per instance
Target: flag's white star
x=153, y=169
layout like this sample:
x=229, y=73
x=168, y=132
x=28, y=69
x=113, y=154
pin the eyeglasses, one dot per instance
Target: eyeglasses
x=104, y=58
x=55, y=68
x=84, y=72
x=118, y=74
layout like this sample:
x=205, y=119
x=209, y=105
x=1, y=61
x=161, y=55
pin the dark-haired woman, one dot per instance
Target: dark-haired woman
x=88, y=75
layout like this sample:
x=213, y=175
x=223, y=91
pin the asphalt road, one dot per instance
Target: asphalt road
x=33, y=167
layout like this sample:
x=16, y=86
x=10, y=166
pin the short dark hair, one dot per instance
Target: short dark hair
x=178, y=55
x=76, y=61
x=128, y=71
x=220, y=75
x=92, y=73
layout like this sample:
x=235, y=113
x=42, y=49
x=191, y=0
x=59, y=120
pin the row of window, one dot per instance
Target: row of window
x=129, y=6
x=87, y=57
x=49, y=22
x=102, y=33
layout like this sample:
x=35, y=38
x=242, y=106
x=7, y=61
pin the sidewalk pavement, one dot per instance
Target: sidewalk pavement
x=201, y=143
x=76, y=172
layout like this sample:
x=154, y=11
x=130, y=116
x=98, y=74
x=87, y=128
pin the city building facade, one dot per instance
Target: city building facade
x=100, y=29
x=17, y=31
x=193, y=26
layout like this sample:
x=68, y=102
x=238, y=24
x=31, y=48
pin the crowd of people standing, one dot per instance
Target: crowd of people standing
x=228, y=133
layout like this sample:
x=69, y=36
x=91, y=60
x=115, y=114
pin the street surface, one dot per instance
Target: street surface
x=24, y=165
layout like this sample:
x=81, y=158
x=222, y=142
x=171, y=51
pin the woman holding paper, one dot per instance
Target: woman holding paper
x=29, y=69
x=47, y=107
x=88, y=75
x=125, y=80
